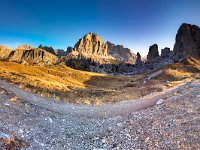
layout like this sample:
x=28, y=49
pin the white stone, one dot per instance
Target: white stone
x=7, y=104
x=4, y=136
x=50, y=120
x=103, y=140
x=21, y=131
x=160, y=101
x=198, y=96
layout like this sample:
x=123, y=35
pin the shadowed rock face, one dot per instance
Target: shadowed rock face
x=165, y=52
x=48, y=49
x=121, y=54
x=57, y=52
x=4, y=52
x=187, y=41
x=60, y=52
x=153, y=53
x=139, y=62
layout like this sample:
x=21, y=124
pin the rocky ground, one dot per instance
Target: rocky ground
x=166, y=120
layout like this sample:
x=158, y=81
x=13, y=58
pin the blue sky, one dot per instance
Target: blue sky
x=136, y=24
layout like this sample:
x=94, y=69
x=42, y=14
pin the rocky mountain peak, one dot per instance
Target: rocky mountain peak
x=187, y=41
x=91, y=44
x=153, y=53
x=93, y=37
x=139, y=60
x=24, y=47
x=120, y=53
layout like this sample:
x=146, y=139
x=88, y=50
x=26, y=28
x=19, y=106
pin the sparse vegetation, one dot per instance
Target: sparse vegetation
x=70, y=85
x=188, y=68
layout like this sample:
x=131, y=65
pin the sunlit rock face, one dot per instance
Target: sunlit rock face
x=93, y=47
x=91, y=44
x=25, y=47
x=30, y=55
x=121, y=54
x=4, y=52
x=153, y=53
x=187, y=42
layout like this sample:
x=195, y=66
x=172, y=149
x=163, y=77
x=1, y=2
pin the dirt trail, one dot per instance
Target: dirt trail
x=119, y=108
x=47, y=124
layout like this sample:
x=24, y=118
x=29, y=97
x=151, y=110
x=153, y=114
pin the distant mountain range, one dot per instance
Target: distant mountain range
x=93, y=47
x=96, y=53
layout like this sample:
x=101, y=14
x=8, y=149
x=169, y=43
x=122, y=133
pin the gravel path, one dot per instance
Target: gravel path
x=137, y=124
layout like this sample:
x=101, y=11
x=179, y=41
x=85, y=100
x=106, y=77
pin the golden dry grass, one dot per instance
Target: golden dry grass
x=61, y=82
x=188, y=68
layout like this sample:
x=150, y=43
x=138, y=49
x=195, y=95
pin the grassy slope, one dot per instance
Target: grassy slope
x=188, y=68
x=61, y=82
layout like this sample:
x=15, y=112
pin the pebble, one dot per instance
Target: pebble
x=159, y=127
x=160, y=101
x=103, y=140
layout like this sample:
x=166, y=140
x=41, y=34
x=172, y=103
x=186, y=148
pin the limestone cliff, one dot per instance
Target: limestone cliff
x=91, y=46
x=30, y=55
x=122, y=54
x=4, y=52
x=187, y=42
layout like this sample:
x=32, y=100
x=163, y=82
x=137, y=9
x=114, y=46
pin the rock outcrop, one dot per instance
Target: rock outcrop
x=60, y=52
x=4, y=52
x=139, y=61
x=57, y=52
x=69, y=49
x=153, y=53
x=187, y=42
x=48, y=49
x=32, y=56
x=121, y=54
x=90, y=46
x=24, y=47
x=165, y=52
